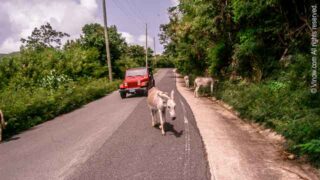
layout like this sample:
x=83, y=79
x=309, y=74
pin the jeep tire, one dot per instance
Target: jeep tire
x=123, y=95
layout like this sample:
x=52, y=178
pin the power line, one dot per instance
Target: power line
x=137, y=13
x=128, y=16
x=133, y=6
x=126, y=11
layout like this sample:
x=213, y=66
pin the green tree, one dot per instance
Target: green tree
x=43, y=37
x=137, y=53
x=93, y=36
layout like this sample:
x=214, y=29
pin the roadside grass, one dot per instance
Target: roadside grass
x=292, y=112
x=26, y=107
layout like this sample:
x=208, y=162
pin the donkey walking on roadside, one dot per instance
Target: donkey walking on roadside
x=2, y=124
x=160, y=102
x=203, y=82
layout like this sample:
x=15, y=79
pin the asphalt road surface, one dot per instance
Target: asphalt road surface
x=111, y=138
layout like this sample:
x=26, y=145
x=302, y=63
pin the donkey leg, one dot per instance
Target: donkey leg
x=153, y=113
x=161, y=115
x=196, y=92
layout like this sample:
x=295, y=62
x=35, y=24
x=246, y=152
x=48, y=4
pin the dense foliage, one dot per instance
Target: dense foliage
x=260, y=50
x=44, y=80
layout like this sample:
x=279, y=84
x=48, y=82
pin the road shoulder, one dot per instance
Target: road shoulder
x=236, y=149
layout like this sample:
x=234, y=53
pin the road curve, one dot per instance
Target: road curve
x=109, y=138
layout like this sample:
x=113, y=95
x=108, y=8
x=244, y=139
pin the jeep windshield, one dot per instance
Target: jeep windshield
x=136, y=72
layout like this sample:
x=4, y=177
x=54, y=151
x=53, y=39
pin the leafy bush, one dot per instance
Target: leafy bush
x=312, y=148
x=27, y=107
x=291, y=112
x=124, y=63
x=164, y=62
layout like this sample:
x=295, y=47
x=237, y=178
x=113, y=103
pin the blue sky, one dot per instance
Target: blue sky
x=19, y=17
x=130, y=17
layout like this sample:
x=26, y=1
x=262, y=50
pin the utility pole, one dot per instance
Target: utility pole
x=107, y=39
x=154, y=52
x=146, y=45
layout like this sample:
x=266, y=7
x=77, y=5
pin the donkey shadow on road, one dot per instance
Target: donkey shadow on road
x=170, y=128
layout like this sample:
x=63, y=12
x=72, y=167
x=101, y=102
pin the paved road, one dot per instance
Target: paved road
x=110, y=138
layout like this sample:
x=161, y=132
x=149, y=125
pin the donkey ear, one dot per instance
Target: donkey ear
x=161, y=95
x=172, y=94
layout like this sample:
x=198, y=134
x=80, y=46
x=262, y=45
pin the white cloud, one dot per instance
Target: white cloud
x=174, y=2
x=141, y=40
x=64, y=15
x=90, y=4
x=130, y=39
x=9, y=44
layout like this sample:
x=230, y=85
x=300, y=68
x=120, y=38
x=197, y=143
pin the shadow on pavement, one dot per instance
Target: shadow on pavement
x=170, y=128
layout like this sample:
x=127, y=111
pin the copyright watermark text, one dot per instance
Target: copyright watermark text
x=314, y=46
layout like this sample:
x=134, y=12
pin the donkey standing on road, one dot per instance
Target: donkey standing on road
x=187, y=81
x=159, y=101
x=203, y=82
x=2, y=124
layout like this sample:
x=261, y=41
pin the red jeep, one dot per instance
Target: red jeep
x=137, y=81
